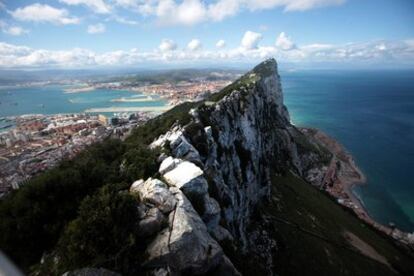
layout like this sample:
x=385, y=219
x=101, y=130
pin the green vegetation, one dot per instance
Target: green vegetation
x=245, y=81
x=50, y=208
x=305, y=145
x=309, y=228
x=103, y=235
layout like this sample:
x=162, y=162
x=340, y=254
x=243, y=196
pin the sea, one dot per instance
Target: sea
x=53, y=99
x=370, y=112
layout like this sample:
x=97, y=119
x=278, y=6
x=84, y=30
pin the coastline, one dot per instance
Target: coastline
x=78, y=90
x=130, y=109
x=341, y=175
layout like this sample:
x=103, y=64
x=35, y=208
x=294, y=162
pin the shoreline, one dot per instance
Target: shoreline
x=129, y=109
x=341, y=176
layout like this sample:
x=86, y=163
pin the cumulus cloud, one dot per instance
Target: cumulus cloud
x=221, y=44
x=194, y=45
x=167, y=45
x=98, y=6
x=250, y=40
x=364, y=53
x=44, y=13
x=96, y=29
x=284, y=42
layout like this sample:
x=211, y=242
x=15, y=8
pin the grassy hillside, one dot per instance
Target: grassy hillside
x=316, y=236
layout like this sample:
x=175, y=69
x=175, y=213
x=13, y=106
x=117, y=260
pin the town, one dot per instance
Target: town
x=40, y=142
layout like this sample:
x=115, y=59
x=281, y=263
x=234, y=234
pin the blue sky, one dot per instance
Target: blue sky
x=93, y=33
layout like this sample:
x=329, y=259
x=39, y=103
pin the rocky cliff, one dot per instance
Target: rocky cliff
x=216, y=173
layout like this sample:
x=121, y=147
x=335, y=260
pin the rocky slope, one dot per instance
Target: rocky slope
x=216, y=176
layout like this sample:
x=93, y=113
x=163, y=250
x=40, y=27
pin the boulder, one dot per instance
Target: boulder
x=211, y=214
x=168, y=164
x=153, y=221
x=187, y=177
x=136, y=186
x=181, y=148
x=154, y=192
x=185, y=246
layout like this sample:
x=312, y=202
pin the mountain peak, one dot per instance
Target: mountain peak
x=266, y=68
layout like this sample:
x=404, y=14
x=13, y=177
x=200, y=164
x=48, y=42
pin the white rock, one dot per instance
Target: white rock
x=168, y=164
x=181, y=148
x=135, y=186
x=187, y=177
x=187, y=246
x=169, y=136
x=155, y=192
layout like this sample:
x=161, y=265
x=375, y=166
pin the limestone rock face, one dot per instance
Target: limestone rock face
x=185, y=245
x=168, y=164
x=151, y=223
x=187, y=177
x=219, y=171
x=155, y=192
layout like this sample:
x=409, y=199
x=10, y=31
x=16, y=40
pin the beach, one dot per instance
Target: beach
x=341, y=175
x=133, y=100
x=129, y=109
x=79, y=89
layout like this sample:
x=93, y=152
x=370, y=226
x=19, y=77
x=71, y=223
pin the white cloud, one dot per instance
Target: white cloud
x=125, y=21
x=12, y=30
x=194, y=45
x=44, y=13
x=189, y=12
x=250, y=40
x=284, y=42
x=167, y=45
x=364, y=53
x=96, y=29
x=98, y=6
x=223, y=8
x=290, y=5
x=221, y=44
x=15, y=30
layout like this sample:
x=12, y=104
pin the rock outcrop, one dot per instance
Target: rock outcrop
x=218, y=172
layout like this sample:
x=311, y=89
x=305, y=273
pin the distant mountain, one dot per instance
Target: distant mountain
x=11, y=77
x=219, y=187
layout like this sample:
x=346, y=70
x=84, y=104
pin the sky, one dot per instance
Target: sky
x=139, y=33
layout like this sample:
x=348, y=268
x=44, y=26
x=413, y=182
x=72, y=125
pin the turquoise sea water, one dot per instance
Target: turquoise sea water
x=372, y=114
x=52, y=99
